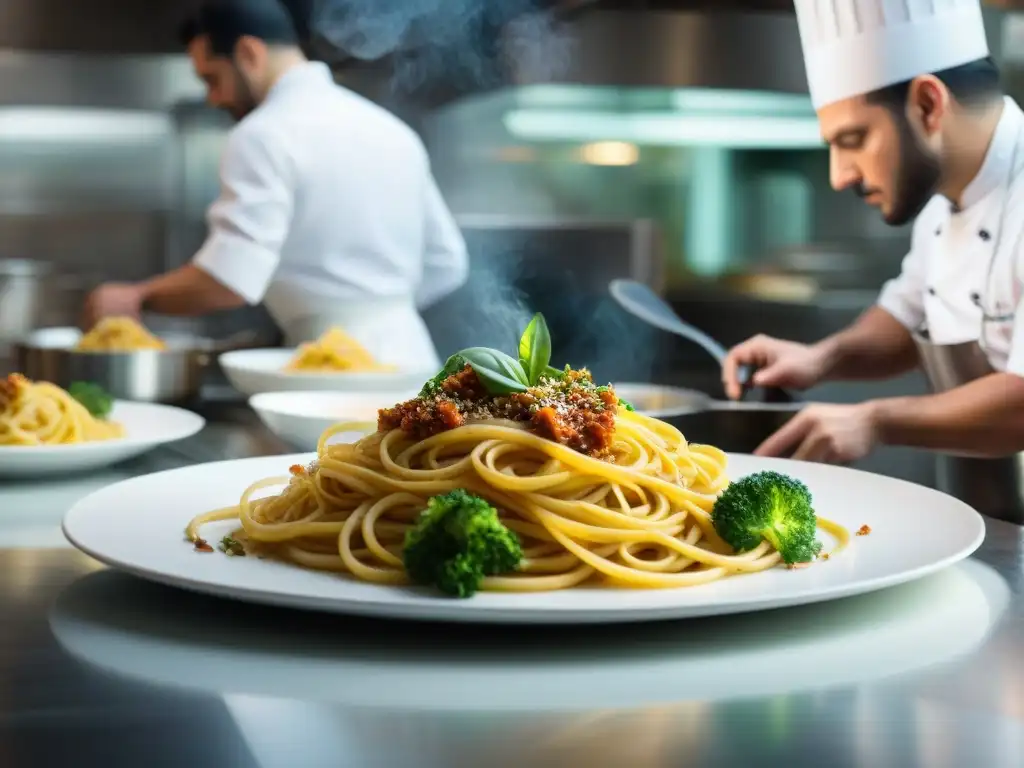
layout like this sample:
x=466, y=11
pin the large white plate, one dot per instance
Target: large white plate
x=147, y=425
x=252, y=371
x=138, y=526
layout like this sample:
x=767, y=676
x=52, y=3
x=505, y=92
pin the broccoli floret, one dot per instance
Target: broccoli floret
x=93, y=398
x=457, y=541
x=768, y=506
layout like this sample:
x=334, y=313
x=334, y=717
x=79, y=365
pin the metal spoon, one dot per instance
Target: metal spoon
x=642, y=302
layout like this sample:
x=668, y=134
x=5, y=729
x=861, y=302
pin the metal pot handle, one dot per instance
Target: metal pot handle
x=750, y=393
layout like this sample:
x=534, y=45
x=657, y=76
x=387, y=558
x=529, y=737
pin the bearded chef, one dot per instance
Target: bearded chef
x=328, y=211
x=917, y=124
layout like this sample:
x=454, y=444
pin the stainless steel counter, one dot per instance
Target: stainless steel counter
x=97, y=668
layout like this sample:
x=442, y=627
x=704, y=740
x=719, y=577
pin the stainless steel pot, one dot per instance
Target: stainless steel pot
x=23, y=293
x=733, y=426
x=174, y=375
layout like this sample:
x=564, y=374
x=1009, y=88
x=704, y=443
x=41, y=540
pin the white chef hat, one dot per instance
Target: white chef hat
x=853, y=47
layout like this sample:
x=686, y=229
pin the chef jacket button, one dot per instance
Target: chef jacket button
x=931, y=291
x=975, y=297
x=938, y=231
x=984, y=234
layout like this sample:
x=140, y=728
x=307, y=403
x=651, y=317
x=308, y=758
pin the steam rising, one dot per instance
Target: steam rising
x=458, y=42
x=476, y=45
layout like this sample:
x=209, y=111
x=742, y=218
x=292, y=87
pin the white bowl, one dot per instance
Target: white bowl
x=255, y=371
x=300, y=418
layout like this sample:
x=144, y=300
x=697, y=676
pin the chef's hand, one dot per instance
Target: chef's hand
x=779, y=364
x=829, y=434
x=112, y=299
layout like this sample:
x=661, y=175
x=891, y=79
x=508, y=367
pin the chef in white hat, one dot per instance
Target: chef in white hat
x=328, y=214
x=918, y=125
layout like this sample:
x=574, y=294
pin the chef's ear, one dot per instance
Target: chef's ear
x=927, y=102
x=250, y=53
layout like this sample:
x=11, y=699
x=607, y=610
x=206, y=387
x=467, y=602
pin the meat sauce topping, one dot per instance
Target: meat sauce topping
x=569, y=410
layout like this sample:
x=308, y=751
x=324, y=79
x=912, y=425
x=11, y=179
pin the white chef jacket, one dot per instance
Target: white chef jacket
x=952, y=282
x=329, y=214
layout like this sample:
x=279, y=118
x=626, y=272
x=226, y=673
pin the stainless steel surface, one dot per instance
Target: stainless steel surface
x=23, y=295
x=110, y=80
x=94, y=25
x=676, y=47
x=86, y=161
x=174, y=375
x=992, y=486
x=103, y=669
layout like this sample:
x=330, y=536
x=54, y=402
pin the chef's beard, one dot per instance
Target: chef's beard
x=246, y=102
x=917, y=178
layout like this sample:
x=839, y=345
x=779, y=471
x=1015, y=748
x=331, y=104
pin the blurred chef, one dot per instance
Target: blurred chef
x=918, y=126
x=328, y=211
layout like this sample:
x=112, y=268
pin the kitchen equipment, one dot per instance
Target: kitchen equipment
x=733, y=426
x=23, y=293
x=174, y=375
x=644, y=303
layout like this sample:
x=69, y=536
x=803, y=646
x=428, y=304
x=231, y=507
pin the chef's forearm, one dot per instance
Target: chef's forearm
x=876, y=346
x=188, y=292
x=984, y=418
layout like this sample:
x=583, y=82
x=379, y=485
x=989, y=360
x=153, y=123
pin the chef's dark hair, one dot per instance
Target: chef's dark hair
x=973, y=84
x=225, y=22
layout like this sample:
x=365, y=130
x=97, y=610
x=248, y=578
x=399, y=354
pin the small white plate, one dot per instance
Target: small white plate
x=254, y=371
x=299, y=418
x=138, y=526
x=147, y=425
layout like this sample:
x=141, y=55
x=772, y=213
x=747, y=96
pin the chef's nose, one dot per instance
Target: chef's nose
x=842, y=174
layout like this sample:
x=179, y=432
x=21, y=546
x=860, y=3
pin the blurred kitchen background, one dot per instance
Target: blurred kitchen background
x=577, y=142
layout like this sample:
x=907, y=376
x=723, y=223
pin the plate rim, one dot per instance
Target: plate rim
x=228, y=360
x=515, y=614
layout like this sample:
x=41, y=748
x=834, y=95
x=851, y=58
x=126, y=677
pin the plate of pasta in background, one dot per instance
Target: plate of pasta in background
x=508, y=490
x=45, y=429
x=333, y=362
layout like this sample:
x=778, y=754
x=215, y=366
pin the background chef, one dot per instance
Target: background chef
x=911, y=106
x=328, y=211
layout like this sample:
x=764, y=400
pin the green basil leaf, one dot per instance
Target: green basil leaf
x=497, y=371
x=535, y=348
x=554, y=373
x=453, y=365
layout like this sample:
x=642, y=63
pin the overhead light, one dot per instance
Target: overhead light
x=516, y=154
x=666, y=128
x=610, y=153
x=726, y=100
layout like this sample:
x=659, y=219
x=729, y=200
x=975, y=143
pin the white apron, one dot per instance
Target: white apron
x=391, y=329
x=994, y=487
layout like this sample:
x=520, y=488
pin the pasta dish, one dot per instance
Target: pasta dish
x=41, y=413
x=118, y=334
x=334, y=351
x=507, y=474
